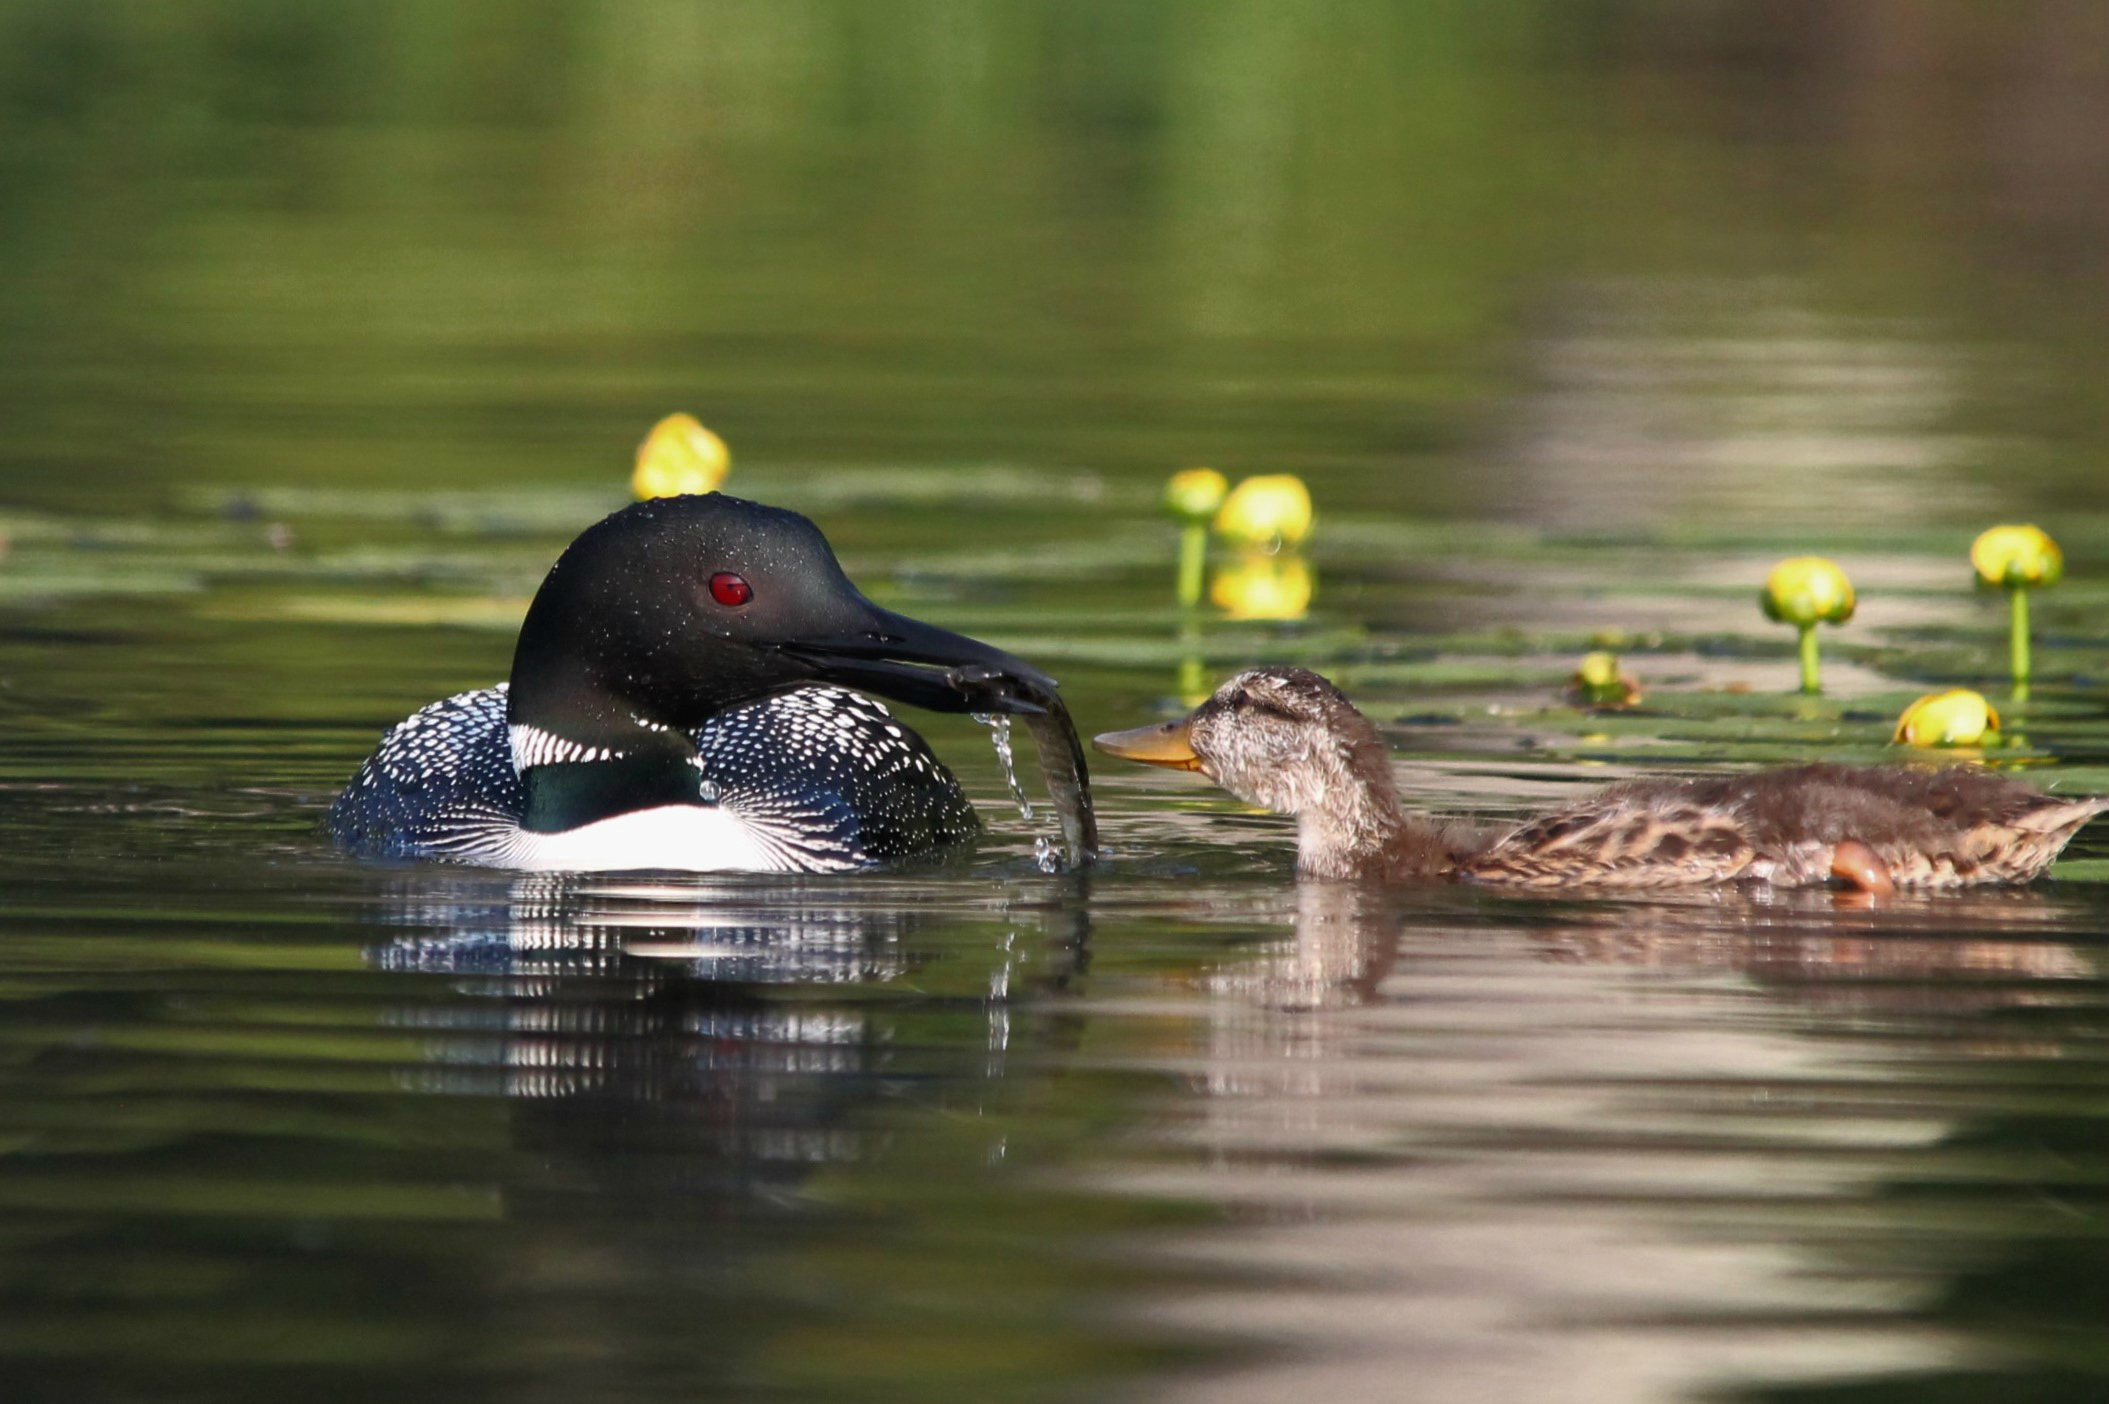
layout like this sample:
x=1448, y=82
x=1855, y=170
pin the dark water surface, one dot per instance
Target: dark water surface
x=324, y=326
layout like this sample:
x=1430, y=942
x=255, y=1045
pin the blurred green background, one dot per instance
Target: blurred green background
x=1584, y=260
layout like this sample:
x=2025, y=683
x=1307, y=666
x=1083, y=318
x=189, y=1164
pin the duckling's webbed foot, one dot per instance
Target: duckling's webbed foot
x=1861, y=869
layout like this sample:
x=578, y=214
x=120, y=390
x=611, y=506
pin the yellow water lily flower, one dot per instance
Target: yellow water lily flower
x=1193, y=494
x=1806, y=591
x=1271, y=510
x=1957, y=717
x=1263, y=585
x=2007, y=557
x=679, y=456
x=1600, y=683
x=2015, y=559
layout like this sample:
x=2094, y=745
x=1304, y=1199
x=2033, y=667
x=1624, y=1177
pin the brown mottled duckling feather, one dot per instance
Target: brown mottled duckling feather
x=1288, y=740
x=1952, y=827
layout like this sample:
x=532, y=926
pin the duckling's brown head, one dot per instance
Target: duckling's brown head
x=1281, y=738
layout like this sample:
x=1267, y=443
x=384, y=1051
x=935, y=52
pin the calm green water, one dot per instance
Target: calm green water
x=324, y=326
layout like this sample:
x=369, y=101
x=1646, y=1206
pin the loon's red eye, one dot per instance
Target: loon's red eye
x=729, y=589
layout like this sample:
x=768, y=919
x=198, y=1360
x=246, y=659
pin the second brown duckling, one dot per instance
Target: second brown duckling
x=1288, y=740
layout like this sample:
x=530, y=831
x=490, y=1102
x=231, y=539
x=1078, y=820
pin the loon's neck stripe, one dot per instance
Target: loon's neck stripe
x=532, y=746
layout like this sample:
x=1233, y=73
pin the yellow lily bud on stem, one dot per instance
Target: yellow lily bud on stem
x=1192, y=497
x=2015, y=559
x=1600, y=682
x=1806, y=591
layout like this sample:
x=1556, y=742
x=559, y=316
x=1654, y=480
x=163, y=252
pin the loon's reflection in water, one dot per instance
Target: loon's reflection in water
x=743, y=1021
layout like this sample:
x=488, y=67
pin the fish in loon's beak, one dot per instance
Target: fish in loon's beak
x=1169, y=744
x=924, y=666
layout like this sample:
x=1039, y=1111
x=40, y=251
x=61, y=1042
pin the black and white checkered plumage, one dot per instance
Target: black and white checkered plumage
x=819, y=779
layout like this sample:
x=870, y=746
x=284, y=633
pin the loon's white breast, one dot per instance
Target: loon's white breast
x=681, y=837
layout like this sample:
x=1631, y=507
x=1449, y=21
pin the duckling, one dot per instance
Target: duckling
x=1288, y=740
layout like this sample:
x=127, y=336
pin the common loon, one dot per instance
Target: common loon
x=672, y=705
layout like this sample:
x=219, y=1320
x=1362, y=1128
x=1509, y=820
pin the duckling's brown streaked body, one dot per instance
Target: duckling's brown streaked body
x=1289, y=741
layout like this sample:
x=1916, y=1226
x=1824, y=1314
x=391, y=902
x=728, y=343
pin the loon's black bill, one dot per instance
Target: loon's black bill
x=1168, y=744
x=924, y=666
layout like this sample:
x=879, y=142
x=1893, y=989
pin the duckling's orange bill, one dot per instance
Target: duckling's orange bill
x=1166, y=744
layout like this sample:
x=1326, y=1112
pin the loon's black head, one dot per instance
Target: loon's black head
x=667, y=612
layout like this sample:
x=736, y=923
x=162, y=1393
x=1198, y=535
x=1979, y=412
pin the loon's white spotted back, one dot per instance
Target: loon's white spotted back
x=819, y=779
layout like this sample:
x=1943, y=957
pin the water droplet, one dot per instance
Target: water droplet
x=1000, y=736
x=1047, y=853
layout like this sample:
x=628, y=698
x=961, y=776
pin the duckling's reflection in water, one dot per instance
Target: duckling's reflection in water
x=1348, y=938
x=1443, y=1120
x=1346, y=942
x=1988, y=949
x=1972, y=950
